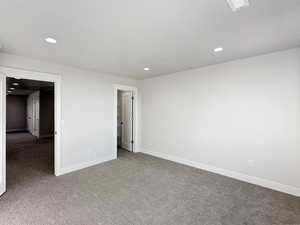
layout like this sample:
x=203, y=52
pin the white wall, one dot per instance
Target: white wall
x=240, y=118
x=87, y=110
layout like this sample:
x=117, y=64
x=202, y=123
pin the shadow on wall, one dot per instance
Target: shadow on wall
x=46, y=113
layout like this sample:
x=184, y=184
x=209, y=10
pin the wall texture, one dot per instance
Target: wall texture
x=16, y=113
x=240, y=118
x=87, y=111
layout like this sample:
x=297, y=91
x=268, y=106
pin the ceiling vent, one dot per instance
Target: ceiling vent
x=237, y=4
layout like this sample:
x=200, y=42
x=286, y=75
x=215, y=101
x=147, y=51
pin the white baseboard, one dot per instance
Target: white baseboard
x=236, y=175
x=2, y=189
x=80, y=166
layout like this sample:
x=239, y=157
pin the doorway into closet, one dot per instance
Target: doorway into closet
x=126, y=119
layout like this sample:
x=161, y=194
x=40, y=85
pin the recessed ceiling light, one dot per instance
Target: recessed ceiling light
x=218, y=49
x=50, y=40
x=237, y=4
x=12, y=88
x=146, y=69
x=9, y=91
x=15, y=84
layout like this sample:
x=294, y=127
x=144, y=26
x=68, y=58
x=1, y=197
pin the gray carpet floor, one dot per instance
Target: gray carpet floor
x=135, y=189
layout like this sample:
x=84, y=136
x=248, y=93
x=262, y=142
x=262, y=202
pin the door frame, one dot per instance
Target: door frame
x=40, y=76
x=118, y=87
x=2, y=134
x=130, y=102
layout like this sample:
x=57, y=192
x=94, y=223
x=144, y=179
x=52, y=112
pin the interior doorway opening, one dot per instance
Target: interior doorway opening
x=29, y=129
x=126, y=119
x=19, y=75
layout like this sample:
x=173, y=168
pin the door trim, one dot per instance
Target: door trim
x=124, y=144
x=41, y=76
x=134, y=91
x=3, y=133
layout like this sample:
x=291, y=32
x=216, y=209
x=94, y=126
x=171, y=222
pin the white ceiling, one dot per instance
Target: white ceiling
x=124, y=36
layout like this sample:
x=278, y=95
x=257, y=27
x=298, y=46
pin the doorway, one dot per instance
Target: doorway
x=126, y=119
x=32, y=91
x=29, y=129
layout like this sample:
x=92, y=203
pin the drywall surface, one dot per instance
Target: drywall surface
x=87, y=110
x=16, y=113
x=242, y=116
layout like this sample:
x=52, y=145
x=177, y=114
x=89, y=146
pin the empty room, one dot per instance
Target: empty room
x=150, y=112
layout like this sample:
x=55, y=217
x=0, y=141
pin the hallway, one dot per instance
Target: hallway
x=28, y=159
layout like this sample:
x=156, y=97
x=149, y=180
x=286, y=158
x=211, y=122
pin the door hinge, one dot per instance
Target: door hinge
x=132, y=98
x=132, y=142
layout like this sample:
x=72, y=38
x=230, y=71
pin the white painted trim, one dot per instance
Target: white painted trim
x=228, y=173
x=135, y=113
x=85, y=165
x=30, y=75
x=3, y=131
x=56, y=79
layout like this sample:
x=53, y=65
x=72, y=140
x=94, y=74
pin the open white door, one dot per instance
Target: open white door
x=131, y=125
x=36, y=114
x=127, y=118
x=30, y=114
x=33, y=113
x=2, y=134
